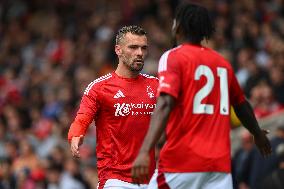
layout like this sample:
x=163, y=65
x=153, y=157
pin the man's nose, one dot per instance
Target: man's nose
x=139, y=52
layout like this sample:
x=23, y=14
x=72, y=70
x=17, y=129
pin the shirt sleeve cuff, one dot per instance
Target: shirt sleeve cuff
x=167, y=91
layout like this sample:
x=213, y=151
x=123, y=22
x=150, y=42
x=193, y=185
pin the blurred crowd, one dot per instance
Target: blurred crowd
x=51, y=50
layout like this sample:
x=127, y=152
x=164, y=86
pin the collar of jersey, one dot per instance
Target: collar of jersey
x=125, y=78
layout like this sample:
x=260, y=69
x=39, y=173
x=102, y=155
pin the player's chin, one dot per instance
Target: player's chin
x=137, y=67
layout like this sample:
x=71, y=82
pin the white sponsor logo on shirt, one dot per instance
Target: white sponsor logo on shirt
x=133, y=109
x=122, y=109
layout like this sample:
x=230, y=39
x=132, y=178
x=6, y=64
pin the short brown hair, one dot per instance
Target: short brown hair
x=128, y=29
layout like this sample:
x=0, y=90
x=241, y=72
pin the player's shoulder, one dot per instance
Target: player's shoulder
x=173, y=51
x=171, y=55
x=221, y=59
x=149, y=77
x=216, y=54
x=98, y=82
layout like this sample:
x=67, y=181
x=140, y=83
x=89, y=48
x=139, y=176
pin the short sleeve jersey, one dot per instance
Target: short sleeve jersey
x=204, y=86
x=121, y=109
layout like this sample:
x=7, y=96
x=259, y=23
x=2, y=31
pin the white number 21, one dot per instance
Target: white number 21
x=198, y=107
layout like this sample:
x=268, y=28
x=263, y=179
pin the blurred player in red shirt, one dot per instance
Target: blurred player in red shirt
x=121, y=104
x=197, y=87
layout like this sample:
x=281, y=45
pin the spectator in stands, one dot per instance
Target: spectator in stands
x=276, y=179
x=71, y=177
x=277, y=83
x=7, y=180
x=263, y=100
x=11, y=149
x=261, y=167
x=53, y=175
x=3, y=138
x=256, y=76
x=27, y=160
x=242, y=161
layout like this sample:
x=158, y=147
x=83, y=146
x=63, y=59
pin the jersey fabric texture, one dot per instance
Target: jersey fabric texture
x=204, y=86
x=121, y=109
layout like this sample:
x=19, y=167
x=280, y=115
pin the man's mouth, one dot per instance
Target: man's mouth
x=139, y=61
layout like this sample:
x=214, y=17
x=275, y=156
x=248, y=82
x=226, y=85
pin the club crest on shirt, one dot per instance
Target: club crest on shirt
x=150, y=92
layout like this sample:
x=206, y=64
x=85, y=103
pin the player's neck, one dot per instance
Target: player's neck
x=182, y=40
x=188, y=42
x=124, y=72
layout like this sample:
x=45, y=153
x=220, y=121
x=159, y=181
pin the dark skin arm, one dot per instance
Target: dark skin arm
x=140, y=167
x=246, y=115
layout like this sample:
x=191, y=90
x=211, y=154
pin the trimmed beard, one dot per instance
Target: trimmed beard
x=132, y=68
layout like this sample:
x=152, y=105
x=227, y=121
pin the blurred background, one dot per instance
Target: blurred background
x=51, y=50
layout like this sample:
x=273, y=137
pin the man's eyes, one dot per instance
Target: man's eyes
x=136, y=47
x=133, y=47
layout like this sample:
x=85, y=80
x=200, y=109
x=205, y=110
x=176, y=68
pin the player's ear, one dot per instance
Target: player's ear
x=178, y=29
x=118, y=50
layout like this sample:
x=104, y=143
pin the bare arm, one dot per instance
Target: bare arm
x=246, y=115
x=158, y=122
x=140, y=168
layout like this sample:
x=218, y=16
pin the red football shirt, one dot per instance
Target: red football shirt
x=198, y=130
x=121, y=109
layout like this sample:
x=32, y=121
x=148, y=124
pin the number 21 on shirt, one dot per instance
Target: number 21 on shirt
x=198, y=107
